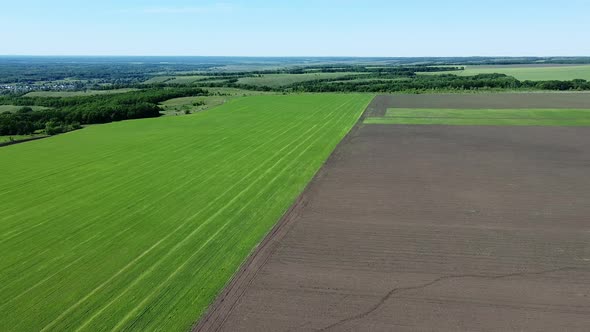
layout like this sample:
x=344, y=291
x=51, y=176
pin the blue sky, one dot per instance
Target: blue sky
x=295, y=27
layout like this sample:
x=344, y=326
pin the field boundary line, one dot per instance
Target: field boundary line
x=213, y=237
x=150, y=269
x=214, y=317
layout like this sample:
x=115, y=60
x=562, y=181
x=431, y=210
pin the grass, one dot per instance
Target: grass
x=277, y=80
x=15, y=108
x=179, y=106
x=76, y=93
x=370, y=80
x=561, y=73
x=234, y=92
x=175, y=79
x=159, y=79
x=487, y=117
x=186, y=79
x=137, y=225
x=4, y=139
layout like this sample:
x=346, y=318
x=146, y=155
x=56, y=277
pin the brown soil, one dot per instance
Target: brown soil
x=555, y=100
x=443, y=228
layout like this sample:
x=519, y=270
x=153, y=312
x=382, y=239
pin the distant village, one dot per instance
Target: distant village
x=20, y=88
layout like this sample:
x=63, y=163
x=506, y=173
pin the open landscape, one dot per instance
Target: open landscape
x=535, y=72
x=75, y=93
x=216, y=97
x=164, y=224
x=424, y=227
x=294, y=166
x=212, y=204
x=200, y=211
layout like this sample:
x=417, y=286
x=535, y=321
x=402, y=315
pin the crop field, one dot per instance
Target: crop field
x=182, y=79
x=550, y=100
x=531, y=73
x=512, y=109
x=219, y=96
x=488, y=117
x=238, y=92
x=430, y=228
x=139, y=224
x=186, y=79
x=76, y=93
x=4, y=139
x=192, y=104
x=14, y=108
x=277, y=80
x=159, y=79
x=367, y=80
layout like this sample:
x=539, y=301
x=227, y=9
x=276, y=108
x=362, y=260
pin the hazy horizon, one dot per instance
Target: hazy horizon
x=288, y=56
x=301, y=28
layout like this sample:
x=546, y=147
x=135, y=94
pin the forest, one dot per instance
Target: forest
x=70, y=113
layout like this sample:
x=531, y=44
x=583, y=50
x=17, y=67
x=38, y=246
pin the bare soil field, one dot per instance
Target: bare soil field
x=554, y=100
x=446, y=228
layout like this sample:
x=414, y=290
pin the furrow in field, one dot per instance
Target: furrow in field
x=217, y=232
x=185, y=223
x=211, y=176
x=202, y=197
x=210, y=238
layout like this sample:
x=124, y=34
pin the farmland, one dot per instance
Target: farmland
x=277, y=80
x=139, y=224
x=181, y=105
x=15, y=108
x=530, y=72
x=4, y=139
x=269, y=80
x=184, y=79
x=513, y=109
x=382, y=103
x=489, y=117
x=76, y=93
x=218, y=96
x=450, y=191
x=431, y=227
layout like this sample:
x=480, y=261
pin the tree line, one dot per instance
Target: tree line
x=439, y=82
x=68, y=113
x=409, y=81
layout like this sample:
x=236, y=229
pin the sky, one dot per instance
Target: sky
x=377, y=28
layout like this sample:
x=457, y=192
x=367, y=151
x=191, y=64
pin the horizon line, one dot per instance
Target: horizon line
x=297, y=56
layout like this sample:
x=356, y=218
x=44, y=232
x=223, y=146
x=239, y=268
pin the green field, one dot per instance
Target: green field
x=531, y=73
x=76, y=93
x=186, y=79
x=219, y=96
x=159, y=79
x=175, y=79
x=4, y=139
x=137, y=225
x=178, y=106
x=371, y=80
x=488, y=117
x=15, y=108
x=234, y=92
x=277, y=80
